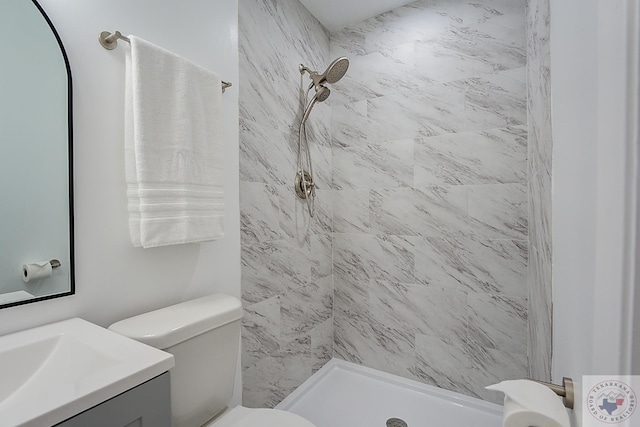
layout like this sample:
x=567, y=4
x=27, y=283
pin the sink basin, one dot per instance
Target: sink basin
x=53, y=372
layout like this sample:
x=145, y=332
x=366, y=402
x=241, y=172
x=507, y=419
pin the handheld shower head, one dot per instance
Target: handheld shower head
x=322, y=93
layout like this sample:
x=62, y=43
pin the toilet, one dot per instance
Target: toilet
x=203, y=335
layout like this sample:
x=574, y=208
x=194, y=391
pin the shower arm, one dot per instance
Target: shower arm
x=307, y=69
x=316, y=78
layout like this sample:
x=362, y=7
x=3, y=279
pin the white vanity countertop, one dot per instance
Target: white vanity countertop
x=53, y=372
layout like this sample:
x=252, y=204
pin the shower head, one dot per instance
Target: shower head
x=334, y=72
x=322, y=93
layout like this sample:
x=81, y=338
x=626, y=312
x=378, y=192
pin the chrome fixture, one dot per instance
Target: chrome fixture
x=304, y=185
x=565, y=390
x=322, y=93
x=334, y=72
x=109, y=41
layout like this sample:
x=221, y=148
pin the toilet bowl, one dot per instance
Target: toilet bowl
x=203, y=335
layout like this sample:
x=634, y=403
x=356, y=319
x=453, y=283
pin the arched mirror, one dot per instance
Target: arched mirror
x=36, y=210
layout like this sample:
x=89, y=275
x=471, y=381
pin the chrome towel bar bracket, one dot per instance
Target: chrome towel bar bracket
x=109, y=41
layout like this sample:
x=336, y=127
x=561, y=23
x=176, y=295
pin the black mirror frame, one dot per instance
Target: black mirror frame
x=72, y=284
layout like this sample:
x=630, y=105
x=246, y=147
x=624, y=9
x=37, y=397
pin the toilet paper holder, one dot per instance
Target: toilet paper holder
x=39, y=270
x=565, y=390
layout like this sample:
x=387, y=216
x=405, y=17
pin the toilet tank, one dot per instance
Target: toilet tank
x=203, y=335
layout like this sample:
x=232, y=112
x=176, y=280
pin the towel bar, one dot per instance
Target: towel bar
x=109, y=41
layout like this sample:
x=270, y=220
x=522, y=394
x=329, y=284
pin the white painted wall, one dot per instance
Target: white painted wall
x=113, y=279
x=592, y=185
x=574, y=100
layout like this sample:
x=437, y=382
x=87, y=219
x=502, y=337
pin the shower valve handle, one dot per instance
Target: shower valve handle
x=304, y=185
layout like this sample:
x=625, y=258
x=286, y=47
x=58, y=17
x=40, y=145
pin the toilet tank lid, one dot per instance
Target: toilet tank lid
x=171, y=325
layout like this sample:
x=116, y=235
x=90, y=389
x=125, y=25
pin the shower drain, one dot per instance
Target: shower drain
x=396, y=422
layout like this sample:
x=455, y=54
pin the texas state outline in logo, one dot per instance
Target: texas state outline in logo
x=611, y=401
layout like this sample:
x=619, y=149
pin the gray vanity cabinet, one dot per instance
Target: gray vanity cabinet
x=147, y=405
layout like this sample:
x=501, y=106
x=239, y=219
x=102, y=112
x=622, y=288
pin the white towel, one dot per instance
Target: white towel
x=173, y=148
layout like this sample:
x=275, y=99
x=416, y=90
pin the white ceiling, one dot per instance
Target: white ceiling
x=337, y=14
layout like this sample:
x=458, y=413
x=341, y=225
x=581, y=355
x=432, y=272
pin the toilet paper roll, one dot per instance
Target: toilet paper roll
x=36, y=270
x=527, y=403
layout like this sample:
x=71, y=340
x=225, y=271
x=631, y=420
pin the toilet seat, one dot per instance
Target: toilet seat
x=246, y=417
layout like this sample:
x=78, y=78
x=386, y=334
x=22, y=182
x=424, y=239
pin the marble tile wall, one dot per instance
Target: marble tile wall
x=431, y=217
x=287, y=285
x=539, y=170
x=427, y=221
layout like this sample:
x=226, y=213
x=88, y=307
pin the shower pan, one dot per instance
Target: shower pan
x=346, y=394
x=304, y=184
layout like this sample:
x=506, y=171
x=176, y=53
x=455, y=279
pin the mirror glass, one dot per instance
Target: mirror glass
x=36, y=217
